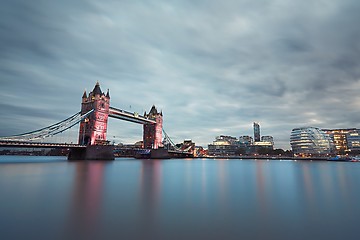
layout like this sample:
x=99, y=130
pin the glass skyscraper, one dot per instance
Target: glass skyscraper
x=256, y=132
x=310, y=141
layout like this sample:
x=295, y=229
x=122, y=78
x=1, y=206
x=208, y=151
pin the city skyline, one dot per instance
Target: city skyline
x=212, y=68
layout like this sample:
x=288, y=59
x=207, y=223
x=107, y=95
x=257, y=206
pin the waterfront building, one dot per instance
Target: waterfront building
x=256, y=132
x=264, y=144
x=223, y=146
x=353, y=141
x=267, y=139
x=139, y=144
x=338, y=136
x=188, y=146
x=344, y=139
x=310, y=141
x=225, y=140
x=245, y=141
x=222, y=150
x=262, y=147
x=245, y=145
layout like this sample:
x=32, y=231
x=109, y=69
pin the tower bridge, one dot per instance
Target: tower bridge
x=93, y=119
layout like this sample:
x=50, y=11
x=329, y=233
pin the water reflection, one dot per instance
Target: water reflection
x=261, y=188
x=177, y=199
x=149, y=193
x=86, y=200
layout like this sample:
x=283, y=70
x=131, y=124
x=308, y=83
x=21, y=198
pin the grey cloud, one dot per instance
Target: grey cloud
x=210, y=66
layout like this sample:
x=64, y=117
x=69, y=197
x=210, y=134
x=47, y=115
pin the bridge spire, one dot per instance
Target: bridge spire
x=97, y=89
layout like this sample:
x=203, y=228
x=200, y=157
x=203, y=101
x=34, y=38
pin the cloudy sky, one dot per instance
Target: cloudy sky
x=213, y=67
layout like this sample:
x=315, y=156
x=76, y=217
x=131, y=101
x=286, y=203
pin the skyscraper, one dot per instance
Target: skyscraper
x=256, y=132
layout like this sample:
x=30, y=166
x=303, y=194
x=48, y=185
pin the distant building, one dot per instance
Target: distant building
x=256, y=132
x=139, y=144
x=267, y=139
x=264, y=144
x=245, y=141
x=310, y=141
x=223, y=146
x=353, y=141
x=188, y=146
x=222, y=139
x=264, y=147
x=200, y=151
x=344, y=139
x=245, y=145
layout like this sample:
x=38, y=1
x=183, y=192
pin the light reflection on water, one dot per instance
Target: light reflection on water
x=50, y=198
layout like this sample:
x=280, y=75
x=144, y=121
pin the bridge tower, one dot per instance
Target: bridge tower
x=153, y=132
x=93, y=129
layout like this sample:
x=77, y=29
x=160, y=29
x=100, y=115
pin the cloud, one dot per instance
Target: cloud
x=212, y=67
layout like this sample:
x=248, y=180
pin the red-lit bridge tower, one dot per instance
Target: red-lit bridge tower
x=153, y=132
x=93, y=129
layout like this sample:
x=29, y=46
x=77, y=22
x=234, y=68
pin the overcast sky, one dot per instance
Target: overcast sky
x=212, y=67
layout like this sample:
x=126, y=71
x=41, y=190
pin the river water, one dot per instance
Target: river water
x=51, y=198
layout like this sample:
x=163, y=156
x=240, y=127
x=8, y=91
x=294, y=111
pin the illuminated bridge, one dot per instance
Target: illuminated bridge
x=92, y=142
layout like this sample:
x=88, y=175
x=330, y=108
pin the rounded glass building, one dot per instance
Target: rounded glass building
x=309, y=141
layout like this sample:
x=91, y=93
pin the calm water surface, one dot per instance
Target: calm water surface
x=50, y=198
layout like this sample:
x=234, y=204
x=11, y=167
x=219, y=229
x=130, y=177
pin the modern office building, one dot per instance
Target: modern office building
x=245, y=141
x=311, y=141
x=245, y=145
x=353, y=141
x=262, y=147
x=223, y=146
x=256, y=132
x=338, y=136
x=345, y=140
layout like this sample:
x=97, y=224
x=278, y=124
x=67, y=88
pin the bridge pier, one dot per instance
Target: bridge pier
x=92, y=152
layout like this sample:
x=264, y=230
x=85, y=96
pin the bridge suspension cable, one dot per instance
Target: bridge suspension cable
x=49, y=131
x=168, y=139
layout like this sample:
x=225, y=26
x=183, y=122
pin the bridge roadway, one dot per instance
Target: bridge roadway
x=21, y=144
x=128, y=116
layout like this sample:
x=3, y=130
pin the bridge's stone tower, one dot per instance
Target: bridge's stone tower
x=93, y=129
x=153, y=132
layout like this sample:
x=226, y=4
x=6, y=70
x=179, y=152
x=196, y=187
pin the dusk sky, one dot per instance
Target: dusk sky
x=212, y=67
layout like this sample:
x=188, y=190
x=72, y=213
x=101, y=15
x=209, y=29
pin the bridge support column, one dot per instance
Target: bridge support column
x=92, y=152
x=93, y=129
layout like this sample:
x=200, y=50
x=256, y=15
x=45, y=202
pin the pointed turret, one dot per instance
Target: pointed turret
x=108, y=94
x=97, y=89
x=84, y=95
x=153, y=110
